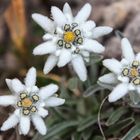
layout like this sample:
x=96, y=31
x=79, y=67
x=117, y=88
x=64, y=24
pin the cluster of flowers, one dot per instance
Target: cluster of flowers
x=67, y=40
x=125, y=74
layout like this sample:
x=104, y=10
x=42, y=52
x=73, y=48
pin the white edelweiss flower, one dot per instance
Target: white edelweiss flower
x=125, y=74
x=30, y=103
x=69, y=39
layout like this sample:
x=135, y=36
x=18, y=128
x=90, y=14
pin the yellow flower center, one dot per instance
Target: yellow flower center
x=134, y=72
x=69, y=36
x=26, y=102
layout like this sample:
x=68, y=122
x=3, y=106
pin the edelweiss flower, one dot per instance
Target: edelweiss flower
x=30, y=103
x=69, y=39
x=126, y=73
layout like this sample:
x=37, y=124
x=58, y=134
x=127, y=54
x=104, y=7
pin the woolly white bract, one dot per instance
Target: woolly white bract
x=125, y=74
x=30, y=103
x=69, y=39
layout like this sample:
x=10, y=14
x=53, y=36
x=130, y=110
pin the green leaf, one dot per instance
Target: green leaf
x=132, y=133
x=76, y=136
x=134, y=99
x=106, y=86
x=94, y=58
x=93, y=72
x=92, y=89
x=98, y=138
x=81, y=107
x=73, y=83
x=56, y=129
x=115, y=116
x=86, y=135
x=87, y=123
x=118, y=127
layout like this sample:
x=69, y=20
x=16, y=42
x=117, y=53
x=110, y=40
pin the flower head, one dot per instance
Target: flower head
x=125, y=74
x=69, y=39
x=30, y=103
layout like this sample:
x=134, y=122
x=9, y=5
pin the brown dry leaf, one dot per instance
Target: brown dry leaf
x=15, y=19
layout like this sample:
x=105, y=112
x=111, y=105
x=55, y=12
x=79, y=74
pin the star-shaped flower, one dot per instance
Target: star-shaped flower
x=69, y=39
x=125, y=74
x=30, y=103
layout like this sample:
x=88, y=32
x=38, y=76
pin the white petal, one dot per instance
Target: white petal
x=18, y=87
x=131, y=87
x=86, y=55
x=58, y=16
x=7, y=100
x=34, y=89
x=67, y=9
x=24, y=124
x=79, y=67
x=50, y=63
x=101, y=31
x=120, y=91
x=42, y=112
x=87, y=28
x=127, y=50
x=67, y=12
x=30, y=79
x=123, y=79
x=60, y=31
x=138, y=57
x=39, y=124
x=44, y=22
x=64, y=58
x=93, y=46
x=113, y=65
x=138, y=90
x=84, y=13
x=88, y=25
x=12, y=121
x=9, y=84
x=17, y=112
x=54, y=101
x=48, y=91
x=109, y=78
x=125, y=62
x=57, y=53
x=47, y=37
x=44, y=48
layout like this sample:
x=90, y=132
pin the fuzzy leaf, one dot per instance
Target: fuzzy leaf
x=73, y=83
x=132, y=133
x=115, y=116
x=54, y=130
x=92, y=89
x=117, y=127
x=87, y=123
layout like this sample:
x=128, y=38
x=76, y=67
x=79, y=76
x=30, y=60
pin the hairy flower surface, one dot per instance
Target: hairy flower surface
x=30, y=103
x=69, y=39
x=124, y=73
